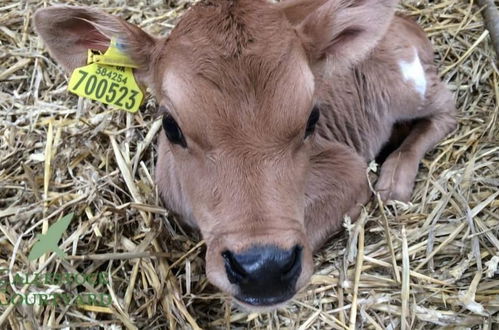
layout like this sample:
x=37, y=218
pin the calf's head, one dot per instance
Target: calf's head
x=237, y=85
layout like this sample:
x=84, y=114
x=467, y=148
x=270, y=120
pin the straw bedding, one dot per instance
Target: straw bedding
x=429, y=264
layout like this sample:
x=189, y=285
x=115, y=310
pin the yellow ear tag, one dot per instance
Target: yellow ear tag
x=108, y=78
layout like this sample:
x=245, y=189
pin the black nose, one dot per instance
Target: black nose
x=265, y=275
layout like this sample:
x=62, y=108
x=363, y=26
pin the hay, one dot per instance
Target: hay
x=59, y=155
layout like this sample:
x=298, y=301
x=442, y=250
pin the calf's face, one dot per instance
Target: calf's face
x=238, y=122
x=236, y=88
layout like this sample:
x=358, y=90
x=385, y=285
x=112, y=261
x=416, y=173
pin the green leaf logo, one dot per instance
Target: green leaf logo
x=48, y=241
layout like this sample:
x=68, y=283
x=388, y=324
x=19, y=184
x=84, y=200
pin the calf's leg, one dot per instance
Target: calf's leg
x=398, y=172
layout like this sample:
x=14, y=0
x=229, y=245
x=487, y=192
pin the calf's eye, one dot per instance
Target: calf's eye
x=312, y=121
x=173, y=131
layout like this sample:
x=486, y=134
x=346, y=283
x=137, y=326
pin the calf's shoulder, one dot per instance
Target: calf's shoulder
x=361, y=105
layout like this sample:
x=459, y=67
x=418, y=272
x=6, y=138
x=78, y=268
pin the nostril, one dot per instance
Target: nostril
x=235, y=273
x=294, y=258
x=294, y=263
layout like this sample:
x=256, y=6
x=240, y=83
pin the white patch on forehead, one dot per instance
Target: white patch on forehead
x=413, y=71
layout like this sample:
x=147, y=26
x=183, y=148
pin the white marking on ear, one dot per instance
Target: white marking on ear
x=414, y=72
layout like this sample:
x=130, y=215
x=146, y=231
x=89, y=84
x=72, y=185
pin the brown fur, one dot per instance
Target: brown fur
x=241, y=77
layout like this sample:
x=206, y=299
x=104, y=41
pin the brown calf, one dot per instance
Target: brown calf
x=270, y=114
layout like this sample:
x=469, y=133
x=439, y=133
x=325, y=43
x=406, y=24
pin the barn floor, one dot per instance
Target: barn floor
x=431, y=263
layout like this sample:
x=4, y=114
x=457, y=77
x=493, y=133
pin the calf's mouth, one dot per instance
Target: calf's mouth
x=262, y=274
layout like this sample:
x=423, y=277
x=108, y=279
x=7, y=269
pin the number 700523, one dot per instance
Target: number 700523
x=98, y=85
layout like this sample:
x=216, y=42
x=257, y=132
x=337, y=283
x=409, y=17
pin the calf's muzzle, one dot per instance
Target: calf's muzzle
x=265, y=275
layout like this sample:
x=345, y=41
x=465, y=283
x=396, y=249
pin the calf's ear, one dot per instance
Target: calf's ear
x=344, y=31
x=296, y=10
x=68, y=32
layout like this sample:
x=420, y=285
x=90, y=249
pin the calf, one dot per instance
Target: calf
x=270, y=114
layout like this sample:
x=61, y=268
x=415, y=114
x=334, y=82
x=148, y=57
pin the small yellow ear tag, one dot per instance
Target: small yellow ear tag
x=109, y=79
x=113, y=56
